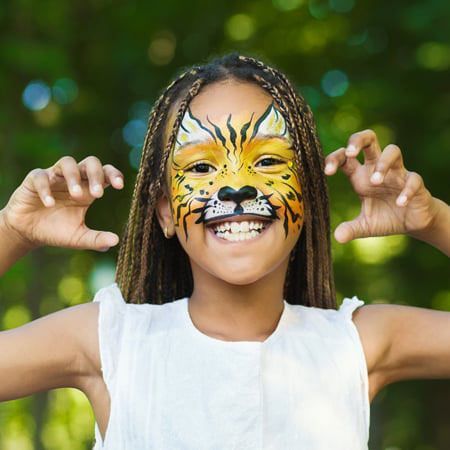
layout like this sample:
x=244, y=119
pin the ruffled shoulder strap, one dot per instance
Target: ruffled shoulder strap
x=110, y=328
x=349, y=305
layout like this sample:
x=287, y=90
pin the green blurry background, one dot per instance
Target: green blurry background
x=79, y=77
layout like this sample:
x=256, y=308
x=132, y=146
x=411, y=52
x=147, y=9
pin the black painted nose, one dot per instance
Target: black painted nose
x=244, y=193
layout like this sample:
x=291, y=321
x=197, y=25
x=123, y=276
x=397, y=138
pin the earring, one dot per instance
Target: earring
x=166, y=233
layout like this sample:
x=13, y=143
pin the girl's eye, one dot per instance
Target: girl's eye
x=200, y=168
x=269, y=162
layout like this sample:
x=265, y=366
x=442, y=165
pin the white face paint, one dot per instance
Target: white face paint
x=192, y=131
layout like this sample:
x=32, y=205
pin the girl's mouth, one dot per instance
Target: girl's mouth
x=244, y=230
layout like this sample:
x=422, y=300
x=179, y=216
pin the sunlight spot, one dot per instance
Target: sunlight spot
x=16, y=316
x=240, y=27
x=376, y=250
x=71, y=290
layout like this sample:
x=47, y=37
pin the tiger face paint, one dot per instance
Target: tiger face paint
x=240, y=165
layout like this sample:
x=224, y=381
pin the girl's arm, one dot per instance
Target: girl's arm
x=400, y=342
x=12, y=246
x=54, y=351
x=49, y=208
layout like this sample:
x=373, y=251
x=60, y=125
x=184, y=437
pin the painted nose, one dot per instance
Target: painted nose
x=227, y=193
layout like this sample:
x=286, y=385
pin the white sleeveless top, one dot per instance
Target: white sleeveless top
x=173, y=387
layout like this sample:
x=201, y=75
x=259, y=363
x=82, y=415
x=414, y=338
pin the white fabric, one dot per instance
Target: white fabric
x=172, y=387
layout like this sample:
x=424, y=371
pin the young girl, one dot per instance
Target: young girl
x=222, y=329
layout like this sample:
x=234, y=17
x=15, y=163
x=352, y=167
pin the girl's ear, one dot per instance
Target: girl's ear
x=164, y=214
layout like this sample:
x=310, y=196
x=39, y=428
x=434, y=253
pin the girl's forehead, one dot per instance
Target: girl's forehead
x=217, y=101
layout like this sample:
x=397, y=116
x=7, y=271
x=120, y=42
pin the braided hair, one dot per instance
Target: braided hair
x=153, y=269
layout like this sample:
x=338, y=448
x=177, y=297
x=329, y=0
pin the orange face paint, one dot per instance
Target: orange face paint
x=239, y=165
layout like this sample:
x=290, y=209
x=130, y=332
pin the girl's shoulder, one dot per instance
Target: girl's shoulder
x=315, y=320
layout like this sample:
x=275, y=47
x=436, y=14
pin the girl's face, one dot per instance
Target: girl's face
x=235, y=198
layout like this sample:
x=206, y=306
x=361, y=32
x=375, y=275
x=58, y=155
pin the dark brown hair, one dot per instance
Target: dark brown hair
x=153, y=269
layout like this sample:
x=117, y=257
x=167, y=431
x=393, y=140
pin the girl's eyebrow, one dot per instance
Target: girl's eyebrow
x=192, y=143
x=268, y=137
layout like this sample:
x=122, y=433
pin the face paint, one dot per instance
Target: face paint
x=236, y=181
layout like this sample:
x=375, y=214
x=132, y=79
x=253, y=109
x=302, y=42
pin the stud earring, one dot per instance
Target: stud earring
x=166, y=233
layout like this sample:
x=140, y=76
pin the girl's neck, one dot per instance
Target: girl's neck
x=237, y=312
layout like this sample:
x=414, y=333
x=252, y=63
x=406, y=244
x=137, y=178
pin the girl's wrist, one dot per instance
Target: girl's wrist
x=437, y=232
x=12, y=238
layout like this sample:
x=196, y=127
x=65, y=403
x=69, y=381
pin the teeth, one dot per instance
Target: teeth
x=239, y=231
x=237, y=236
x=239, y=227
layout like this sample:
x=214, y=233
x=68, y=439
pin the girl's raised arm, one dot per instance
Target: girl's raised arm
x=49, y=208
x=401, y=342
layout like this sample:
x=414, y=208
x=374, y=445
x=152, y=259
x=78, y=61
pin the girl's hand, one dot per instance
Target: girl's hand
x=393, y=200
x=50, y=205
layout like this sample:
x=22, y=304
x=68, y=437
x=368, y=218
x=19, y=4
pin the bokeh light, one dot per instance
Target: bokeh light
x=139, y=110
x=335, y=83
x=319, y=9
x=433, y=56
x=101, y=275
x=161, y=49
x=71, y=290
x=48, y=116
x=240, y=27
x=65, y=91
x=377, y=250
x=134, y=132
x=347, y=119
x=15, y=316
x=36, y=95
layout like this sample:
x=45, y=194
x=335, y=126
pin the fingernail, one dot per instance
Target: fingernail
x=351, y=149
x=49, y=201
x=376, y=177
x=97, y=188
x=329, y=168
x=76, y=189
x=119, y=181
x=103, y=249
x=402, y=200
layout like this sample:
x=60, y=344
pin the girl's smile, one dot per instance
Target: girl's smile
x=241, y=230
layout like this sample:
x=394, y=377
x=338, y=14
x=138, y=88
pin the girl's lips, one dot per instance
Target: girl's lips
x=246, y=241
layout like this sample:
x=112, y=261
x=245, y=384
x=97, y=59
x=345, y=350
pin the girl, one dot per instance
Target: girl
x=222, y=330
